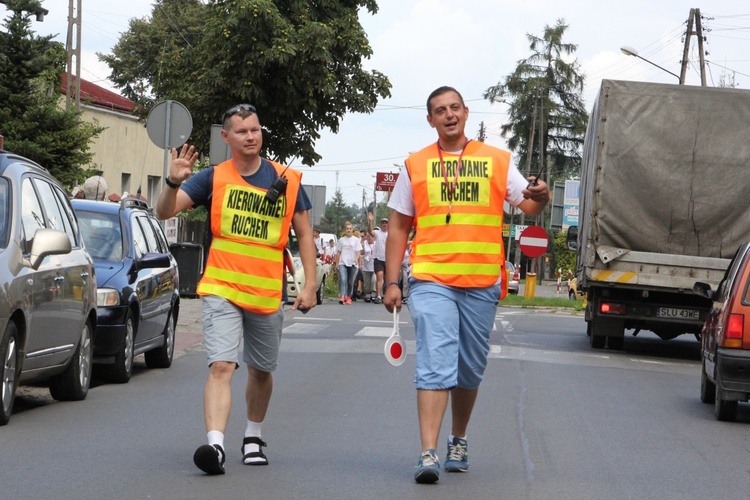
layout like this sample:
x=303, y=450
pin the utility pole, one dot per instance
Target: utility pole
x=537, y=262
x=74, y=51
x=693, y=18
x=482, y=136
x=364, y=207
x=529, y=149
x=701, y=53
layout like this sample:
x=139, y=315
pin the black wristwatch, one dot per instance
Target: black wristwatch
x=171, y=184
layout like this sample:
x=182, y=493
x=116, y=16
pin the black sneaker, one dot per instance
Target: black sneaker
x=210, y=459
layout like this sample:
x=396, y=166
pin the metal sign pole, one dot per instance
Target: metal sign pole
x=167, y=124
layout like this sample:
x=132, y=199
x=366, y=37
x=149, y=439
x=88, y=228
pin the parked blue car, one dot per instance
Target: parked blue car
x=138, y=298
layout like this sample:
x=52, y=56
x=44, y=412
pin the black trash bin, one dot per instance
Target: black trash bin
x=189, y=257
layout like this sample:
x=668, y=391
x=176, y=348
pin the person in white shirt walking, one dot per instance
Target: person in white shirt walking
x=378, y=253
x=348, y=255
x=368, y=268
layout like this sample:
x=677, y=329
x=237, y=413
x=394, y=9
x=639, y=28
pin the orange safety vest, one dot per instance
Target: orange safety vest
x=468, y=251
x=246, y=259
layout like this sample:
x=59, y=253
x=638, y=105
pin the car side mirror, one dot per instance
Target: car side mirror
x=48, y=242
x=703, y=289
x=571, y=241
x=153, y=260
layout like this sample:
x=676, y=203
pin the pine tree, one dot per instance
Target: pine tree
x=31, y=120
x=546, y=83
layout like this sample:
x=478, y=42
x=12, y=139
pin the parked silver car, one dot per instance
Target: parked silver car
x=47, y=287
x=513, y=277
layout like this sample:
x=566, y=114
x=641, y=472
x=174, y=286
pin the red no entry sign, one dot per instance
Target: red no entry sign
x=533, y=241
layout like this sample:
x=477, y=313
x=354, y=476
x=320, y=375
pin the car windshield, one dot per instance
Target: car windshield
x=102, y=234
x=4, y=213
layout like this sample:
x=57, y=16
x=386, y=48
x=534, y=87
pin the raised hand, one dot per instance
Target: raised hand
x=182, y=163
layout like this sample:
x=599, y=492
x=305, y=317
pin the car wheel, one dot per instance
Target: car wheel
x=161, y=357
x=73, y=383
x=9, y=374
x=725, y=410
x=122, y=369
x=596, y=341
x=616, y=343
x=319, y=293
x=708, y=388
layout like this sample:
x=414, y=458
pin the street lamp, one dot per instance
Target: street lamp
x=630, y=51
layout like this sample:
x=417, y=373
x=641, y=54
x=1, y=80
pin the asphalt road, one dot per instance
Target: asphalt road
x=554, y=420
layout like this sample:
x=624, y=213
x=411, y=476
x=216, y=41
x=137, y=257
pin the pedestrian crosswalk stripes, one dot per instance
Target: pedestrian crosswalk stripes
x=304, y=328
x=375, y=331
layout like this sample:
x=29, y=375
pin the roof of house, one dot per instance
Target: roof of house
x=95, y=95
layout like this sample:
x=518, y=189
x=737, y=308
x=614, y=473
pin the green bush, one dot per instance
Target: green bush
x=332, y=285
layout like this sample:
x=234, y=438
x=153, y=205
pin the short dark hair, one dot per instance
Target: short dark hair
x=440, y=91
x=244, y=110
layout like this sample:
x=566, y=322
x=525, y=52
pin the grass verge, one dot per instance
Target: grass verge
x=520, y=301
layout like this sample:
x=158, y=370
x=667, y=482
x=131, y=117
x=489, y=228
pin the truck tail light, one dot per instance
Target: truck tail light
x=734, y=331
x=612, y=308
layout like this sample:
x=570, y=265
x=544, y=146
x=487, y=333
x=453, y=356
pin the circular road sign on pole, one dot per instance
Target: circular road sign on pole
x=169, y=124
x=533, y=241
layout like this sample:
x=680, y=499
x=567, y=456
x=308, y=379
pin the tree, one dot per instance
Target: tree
x=31, y=120
x=337, y=214
x=158, y=54
x=564, y=258
x=547, y=84
x=298, y=62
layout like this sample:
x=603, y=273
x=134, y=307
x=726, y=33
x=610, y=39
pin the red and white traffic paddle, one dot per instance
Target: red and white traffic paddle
x=395, y=347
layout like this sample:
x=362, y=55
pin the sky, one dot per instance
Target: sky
x=470, y=45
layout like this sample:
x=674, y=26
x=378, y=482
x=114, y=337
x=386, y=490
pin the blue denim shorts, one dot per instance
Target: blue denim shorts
x=225, y=324
x=453, y=327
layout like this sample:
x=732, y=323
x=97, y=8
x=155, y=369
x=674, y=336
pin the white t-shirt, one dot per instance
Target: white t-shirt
x=320, y=245
x=348, y=248
x=368, y=261
x=378, y=250
x=329, y=252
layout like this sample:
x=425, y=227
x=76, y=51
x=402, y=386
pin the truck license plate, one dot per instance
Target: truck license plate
x=672, y=312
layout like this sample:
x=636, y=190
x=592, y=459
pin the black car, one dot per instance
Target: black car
x=138, y=298
x=47, y=287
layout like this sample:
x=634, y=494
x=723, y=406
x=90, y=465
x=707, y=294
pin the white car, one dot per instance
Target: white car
x=296, y=282
x=513, y=277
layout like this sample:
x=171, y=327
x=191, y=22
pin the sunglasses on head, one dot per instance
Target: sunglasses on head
x=238, y=108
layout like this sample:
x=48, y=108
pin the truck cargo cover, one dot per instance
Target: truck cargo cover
x=667, y=169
